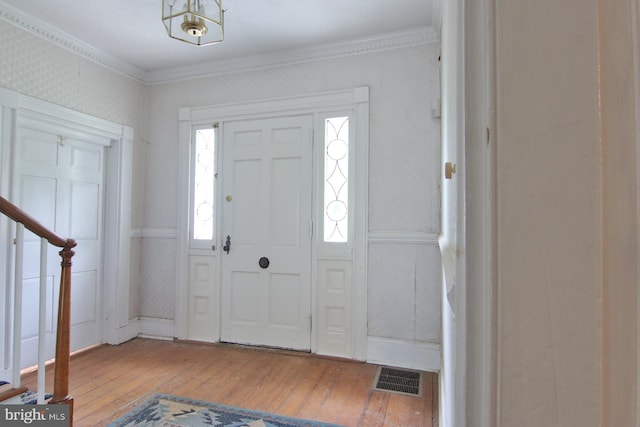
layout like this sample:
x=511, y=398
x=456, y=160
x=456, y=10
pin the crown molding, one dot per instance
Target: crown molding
x=412, y=37
x=68, y=42
x=395, y=40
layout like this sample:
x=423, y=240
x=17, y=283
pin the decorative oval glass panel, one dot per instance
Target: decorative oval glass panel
x=336, y=180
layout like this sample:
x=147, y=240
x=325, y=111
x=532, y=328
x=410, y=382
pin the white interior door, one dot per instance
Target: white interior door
x=267, y=193
x=60, y=183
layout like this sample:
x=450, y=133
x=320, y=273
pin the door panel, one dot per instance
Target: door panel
x=245, y=298
x=60, y=183
x=267, y=212
x=285, y=215
x=246, y=203
x=285, y=290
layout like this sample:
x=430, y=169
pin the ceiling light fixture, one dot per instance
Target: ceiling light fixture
x=199, y=22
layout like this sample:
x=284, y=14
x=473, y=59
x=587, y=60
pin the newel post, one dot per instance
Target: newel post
x=61, y=374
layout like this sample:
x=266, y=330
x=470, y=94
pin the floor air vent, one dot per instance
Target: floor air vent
x=396, y=380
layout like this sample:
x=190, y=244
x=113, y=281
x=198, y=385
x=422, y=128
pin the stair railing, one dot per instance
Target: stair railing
x=62, y=353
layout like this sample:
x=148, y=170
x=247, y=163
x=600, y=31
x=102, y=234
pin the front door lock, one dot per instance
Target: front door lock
x=227, y=245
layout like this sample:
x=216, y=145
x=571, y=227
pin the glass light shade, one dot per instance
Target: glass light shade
x=199, y=22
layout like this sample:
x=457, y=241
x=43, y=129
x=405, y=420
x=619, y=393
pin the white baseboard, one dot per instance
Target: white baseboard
x=403, y=354
x=124, y=333
x=156, y=328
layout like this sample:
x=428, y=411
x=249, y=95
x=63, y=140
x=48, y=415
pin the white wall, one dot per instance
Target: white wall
x=566, y=214
x=403, y=191
x=549, y=214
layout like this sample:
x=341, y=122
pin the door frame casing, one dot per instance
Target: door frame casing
x=635, y=27
x=116, y=327
x=355, y=100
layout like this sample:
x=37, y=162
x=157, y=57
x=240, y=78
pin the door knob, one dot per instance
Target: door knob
x=263, y=262
x=227, y=245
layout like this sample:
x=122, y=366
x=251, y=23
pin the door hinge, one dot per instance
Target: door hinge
x=310, y=229
x=310, y=323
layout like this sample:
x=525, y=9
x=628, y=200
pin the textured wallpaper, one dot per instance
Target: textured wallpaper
x=34, y=67
x=404, y=296
x=405, y=140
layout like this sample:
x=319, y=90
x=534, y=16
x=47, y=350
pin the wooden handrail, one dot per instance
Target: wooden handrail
x=31, y=224
x=63, y=333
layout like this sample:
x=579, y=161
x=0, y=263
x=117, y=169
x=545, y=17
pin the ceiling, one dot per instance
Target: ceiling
x=129, y=35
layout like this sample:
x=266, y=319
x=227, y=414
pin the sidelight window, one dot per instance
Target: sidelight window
x=204, y=174
x=336, y=180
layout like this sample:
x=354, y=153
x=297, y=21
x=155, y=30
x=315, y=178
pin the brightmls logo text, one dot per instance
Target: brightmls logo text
x=24, y=415
x=34, y=415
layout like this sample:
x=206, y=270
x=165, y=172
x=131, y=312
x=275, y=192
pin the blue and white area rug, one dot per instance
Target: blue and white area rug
x=163, y=410
x=27, y=398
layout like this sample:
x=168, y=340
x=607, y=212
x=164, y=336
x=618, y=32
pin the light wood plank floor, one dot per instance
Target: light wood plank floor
x=108, y=381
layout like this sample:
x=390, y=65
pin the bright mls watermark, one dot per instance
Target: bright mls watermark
x=35, y=415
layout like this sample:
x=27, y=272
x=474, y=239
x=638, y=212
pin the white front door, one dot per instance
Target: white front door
x=60, y=183
x=267, y=193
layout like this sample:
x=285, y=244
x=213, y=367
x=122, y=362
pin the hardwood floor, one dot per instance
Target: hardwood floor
x=108, y=381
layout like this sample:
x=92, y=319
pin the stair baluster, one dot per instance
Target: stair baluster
x=62, y=351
